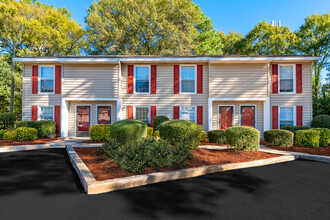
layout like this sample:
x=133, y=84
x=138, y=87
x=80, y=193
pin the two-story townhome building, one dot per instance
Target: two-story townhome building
x=215, y=91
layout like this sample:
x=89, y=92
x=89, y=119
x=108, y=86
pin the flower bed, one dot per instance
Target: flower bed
x=37, y=141
x=103, y=168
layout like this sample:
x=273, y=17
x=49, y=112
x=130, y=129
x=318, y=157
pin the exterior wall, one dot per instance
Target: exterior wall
x=164, y=99
x=303, y=99
x=72, y=113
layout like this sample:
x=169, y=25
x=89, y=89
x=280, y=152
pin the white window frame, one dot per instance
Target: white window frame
x=97, y=112
x=134, y=77
x=188, y=106
x=45, y=106
x=255, y=113
x=188, y=65
x=294, y=79
x=141, y=106
x=294, y=114
x=39, y=79
x=75, y=116
x=233, y=120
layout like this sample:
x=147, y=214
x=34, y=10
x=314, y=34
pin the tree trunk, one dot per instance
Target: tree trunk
x=12, y=91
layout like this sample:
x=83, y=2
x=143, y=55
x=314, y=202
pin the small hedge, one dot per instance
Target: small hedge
x=277, y=137
x=203, y=136
x=243, y=138
x=156, y=134
x=2, y=132
x=324, y=136
x=7, y=120
x=150, y=132
x=294, y=129
x=321, y=121
x=26, y=134
x=156, y=121
x=217, y=136
x=181, y=131
x=128, y=130
x=308, y=138
x=44, y=128
x=10, y=135
x=100, y=132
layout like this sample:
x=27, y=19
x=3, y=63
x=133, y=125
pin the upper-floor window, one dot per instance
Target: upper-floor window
x=188, y=79
x=188, y=113
x=142, y=114
x=142, y=79
x=287, y=78
x=286, y=116
x=46, y=113
x=46, y=79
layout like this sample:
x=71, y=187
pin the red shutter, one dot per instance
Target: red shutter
x=275, y=117
x=57, y=115
x=129, y=112
x=176, y=77
x=153, y=79
x=130, y=79
x=200, y=115
x=199, y=78
x=298, y=78
x=34, y=79
x=57, y=79
x=34, y=113
x=299, y=116
x=275, y=78
x=176, y=112
x=152, y=114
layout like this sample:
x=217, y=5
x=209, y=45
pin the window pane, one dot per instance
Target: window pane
x=188, y=113
x=47, y=72
x=142, y=73
x=46, y=85
x=142, y=114
x=188, y=86
x=286, y=72
x=188, y=73
x=286, y=123
x=103, y=114
x=46, y=113
x=142, y=85
x=286, y=113
x=286, y=85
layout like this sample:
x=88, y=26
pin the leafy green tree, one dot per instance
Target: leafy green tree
x=142, y=27
x=231, y=42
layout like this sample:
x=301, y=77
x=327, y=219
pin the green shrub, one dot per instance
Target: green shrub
x=176, y=131
x=324, y=136
x=110, y=148
x=217, y=136
x=203, y=136
x=308, y=138
x=150, y=132
x=321, y=121
x=156, y=134
x=7, y=120
x=243, y=138
x=25, y=134
x=278, y=137
x=100, y=132
x=2, y=132
x=156, y=121
x=181, y=153
x=159, y=153
x=44, y=128
x=128, y=130
x=294, y=129
x=10, y=135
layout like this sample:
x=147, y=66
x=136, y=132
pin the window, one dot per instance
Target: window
x=286, y=75
x=286, y=116
x=46, y=113
x=104, y=114
x=142, y=79
x=188, y=114
x=188, y=79
x=142, y=114
x=46, y=79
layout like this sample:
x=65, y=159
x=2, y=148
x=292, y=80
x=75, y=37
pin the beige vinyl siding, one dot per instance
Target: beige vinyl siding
x=72, y=112
x=29, y=99
x=301, y=99
x=90, y=81
x=164, y=99
x=238, y=80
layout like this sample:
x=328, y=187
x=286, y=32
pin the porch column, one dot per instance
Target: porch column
x=266, y=114
x=119, y=113
x=210, y=101
x=64, y=118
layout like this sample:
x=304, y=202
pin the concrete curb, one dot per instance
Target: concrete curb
x=28, y=147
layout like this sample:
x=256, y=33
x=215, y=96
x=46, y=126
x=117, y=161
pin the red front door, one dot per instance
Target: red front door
x=83, y=117
x=248, y=116
x=225, y=117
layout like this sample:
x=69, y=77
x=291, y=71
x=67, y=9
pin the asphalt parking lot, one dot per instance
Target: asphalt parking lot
x=42, y=185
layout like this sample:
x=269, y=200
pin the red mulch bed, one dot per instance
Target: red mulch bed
x=103, y=168
x=92, y=142
x=37, y=141
x=325, y=151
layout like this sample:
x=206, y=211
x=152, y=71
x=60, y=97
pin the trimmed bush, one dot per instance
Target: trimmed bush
x=294, y=129
x=44, y=128
x=308, y=138
x=321, y=121
x=203, y=136
x=217, y=136
x=2, y=132
x=110, y=148
x=156, y=121
x=10, y=135
x=181, y=153
x=159, y=153
x=26, y=134
x=324, y=136
x=7, y=120
x=150, y=132
x=128, y=130
x=243, y=138
x=156, y=134
x=100, y=132
x=277, y=137
x=176, y=131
